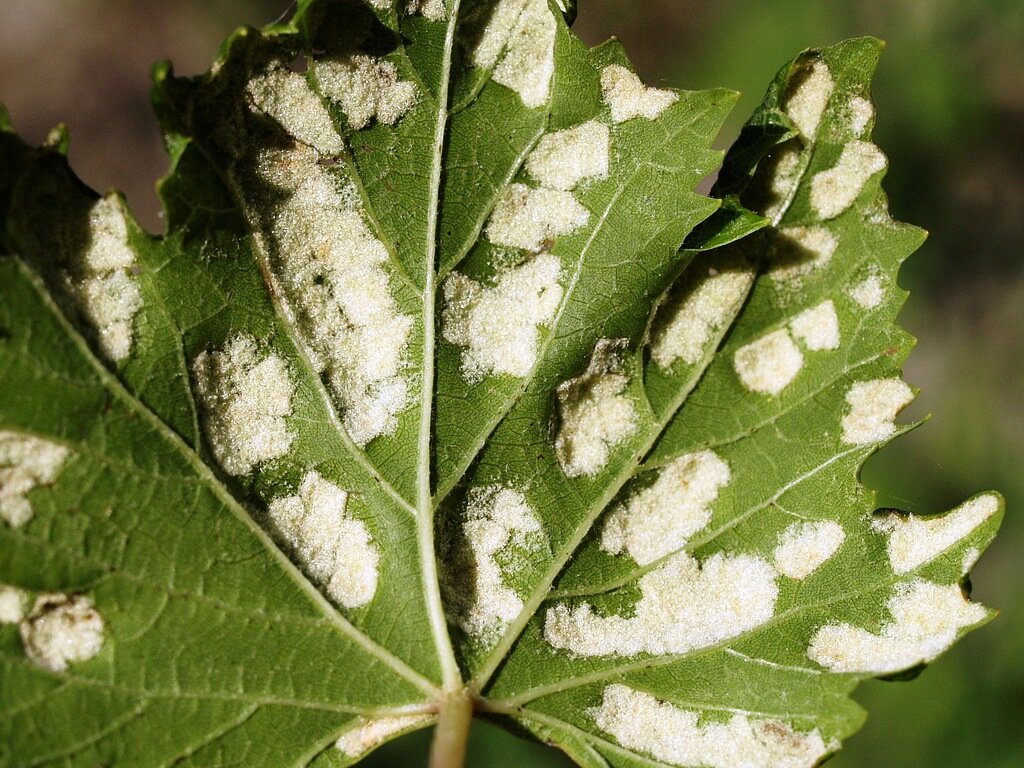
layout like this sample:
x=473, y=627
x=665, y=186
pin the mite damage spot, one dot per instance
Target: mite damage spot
x=563, y=159
x=61, y=630
x=628, y=97
x=807, y=97
x=684, y=606
x=25, y=463
x=658, y=520
x=970, y=560
x=335, y=550
x=367, y=734
x=365, y=88
x=380, y=5
x=522, y=35
x=818, y=327
x=245, y=396
x=777, y=179
x=805, y=547
x=926, y=619
x=869, y=293
x=861, y=113
x=769, y=364
x=12, y=604
x=873, y=409
x=835, y=190
x=799, y=251
x=285, y=97
x=497, y=326
x=595, y=411
x=914, y=541
x=639, y=721
x=526, y=218
x=432, y=10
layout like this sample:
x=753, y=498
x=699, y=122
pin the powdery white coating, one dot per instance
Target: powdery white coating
x=812, y=247
x=333, y=273
x=835, y=190
x=563, y=159
x=596, y=412
x=769, y=364
x=367, y=733
x=365, y=88
x=433, y=10
x=497, y=326
x=873, y=409
x=869, y=293
x=529, y=60
x=691, y=322
x=380, y=5
x=684, y=606
x=335, y=550
x=246, y=396
x=818, y=327
x=808, y=97
x=926, y=618
x=61, y=630
x=658, y=520
x=861, y=113
x=12, y=604
x=285, y=96
x=526, y=218
x=805, y=547
x=494, y=39
x=970, y=559
x=638, y=721
x=783, y=171
x=25, y=463
x=628, y=97
x=914, y=541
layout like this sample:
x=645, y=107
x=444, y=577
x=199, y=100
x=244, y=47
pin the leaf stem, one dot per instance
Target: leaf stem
x=451, y=733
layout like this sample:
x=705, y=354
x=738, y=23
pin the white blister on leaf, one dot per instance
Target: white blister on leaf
x=62, y=630
x=26, y=463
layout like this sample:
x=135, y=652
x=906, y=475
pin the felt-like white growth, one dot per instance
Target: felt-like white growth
x=563, y=159
x=835, y=190
x=335, y=550
x=805, y=547
x=332, y=269
x=684, y=606
x=496, y=519
x=926, y=618
x=970, y=560
x=285, y=96
x=640, y=722
x=433, y=10
x=495, y=36
x=519, y=44
x=526, y=218
x=801, y=251
x=659, y=519
x=497, y=326
x=782, y=170
x=628, y=97
x=61, y=630
x=380, y=5
x=12, y=604
x=367, y=733
x=365, y=88
x=873, y=409
x=868, y=293
x=914, y=541
x=769, y=364
x=808, y=97
x=861, y=113
x=25, y=463
x=246, y=396
x=596, y=412
x=818, y=327
x=692, y=319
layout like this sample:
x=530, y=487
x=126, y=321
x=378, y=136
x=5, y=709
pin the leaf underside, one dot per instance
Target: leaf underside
x=443, y=374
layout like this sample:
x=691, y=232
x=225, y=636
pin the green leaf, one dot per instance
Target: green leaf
x=442, y=383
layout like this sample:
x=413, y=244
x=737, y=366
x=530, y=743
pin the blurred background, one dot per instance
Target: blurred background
x=950, y=95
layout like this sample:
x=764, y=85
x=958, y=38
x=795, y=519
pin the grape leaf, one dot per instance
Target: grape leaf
x=444, y=384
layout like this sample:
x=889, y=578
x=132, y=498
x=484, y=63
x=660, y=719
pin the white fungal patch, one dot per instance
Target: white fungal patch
x=869, y=293
x=12, y=604
x=366, y=733
x=365, y=88
x=495, y=36
x=782, y=173
x=61, y=630
x=914, y=541
x=497, y=326
x=970, y=560
x=519, y=44
x=246, y=396
x=596, y=412
x=818, y=327
x=873, y=409
x=25, y=463
x=332, y=270
x=799, y=251
x=684, y=606
x=380, y=5
x=926, y=619
x=691, y=320
x=432, y=10
x=769, y=364
x=638, y=721
x=835, y=190
x=808, y=97
x=285, y=97
x=526, y=218
x=861, y=113
x=805, y=547
x=335, y=550
x=628, y=97
x=563, y=159
x=658, y=520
